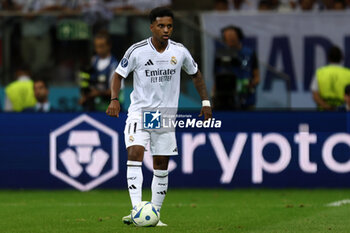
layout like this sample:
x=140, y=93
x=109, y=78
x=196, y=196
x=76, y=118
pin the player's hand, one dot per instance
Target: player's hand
x=206, y=111
x=113, y=109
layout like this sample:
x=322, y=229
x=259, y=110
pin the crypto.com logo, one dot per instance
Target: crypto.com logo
x=80, y=157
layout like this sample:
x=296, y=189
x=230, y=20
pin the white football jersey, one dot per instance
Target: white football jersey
x=156, y=75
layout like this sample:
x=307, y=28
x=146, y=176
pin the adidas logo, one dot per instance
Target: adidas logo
x=132, y=187
x=149, y=63
x=175, y=150
x=162, y=192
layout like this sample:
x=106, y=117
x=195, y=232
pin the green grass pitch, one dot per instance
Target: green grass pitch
x=194, y=211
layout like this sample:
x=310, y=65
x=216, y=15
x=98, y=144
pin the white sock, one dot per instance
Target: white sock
x=135, y=179
x=159, y=187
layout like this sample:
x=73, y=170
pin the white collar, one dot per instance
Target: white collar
x=23, y=78
x=108, y=58
x=45, y=106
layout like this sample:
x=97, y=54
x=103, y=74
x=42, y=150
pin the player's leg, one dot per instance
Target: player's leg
x=134, y=173
x=134, y=177
x=135, y=142
x=160, y=179
x=163, y=145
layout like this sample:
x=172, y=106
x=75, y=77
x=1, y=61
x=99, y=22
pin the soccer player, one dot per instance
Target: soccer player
x=156, y=64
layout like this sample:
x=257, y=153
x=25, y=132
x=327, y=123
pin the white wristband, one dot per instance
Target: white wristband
x=205, y=103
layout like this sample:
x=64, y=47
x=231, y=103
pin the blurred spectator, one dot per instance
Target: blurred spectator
x=264, y=5
x=236, y=72
x=293, y=4
x=307, y=5
x=339, y=5
x=237, y=4
x=96, y=13
x=327, y=4
x=346, y=106
x=221, y=5
x=75, y=5
x=35, y=40
x=329, y=82
x=243, y=5
x=138, y=5
x=20, y=93
x=9, y=5
x=274, y=4
x=139, y=23
x=96, y=83
x=41, y=93
x=285, y=5
x=39, y=6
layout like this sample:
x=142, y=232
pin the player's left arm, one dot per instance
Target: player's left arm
x=199, y=83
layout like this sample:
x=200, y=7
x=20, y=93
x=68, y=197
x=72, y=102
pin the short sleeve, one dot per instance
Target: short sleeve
x=127, y=64
x=189, y=65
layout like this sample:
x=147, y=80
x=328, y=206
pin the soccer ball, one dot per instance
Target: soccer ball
x=145, y=214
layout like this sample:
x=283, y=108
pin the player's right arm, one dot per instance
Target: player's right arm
x=114, y=106
x=126, y=65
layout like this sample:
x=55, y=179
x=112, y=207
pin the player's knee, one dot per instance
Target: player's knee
x=160, y=163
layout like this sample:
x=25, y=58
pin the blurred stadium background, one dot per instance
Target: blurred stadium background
x=281, y=165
